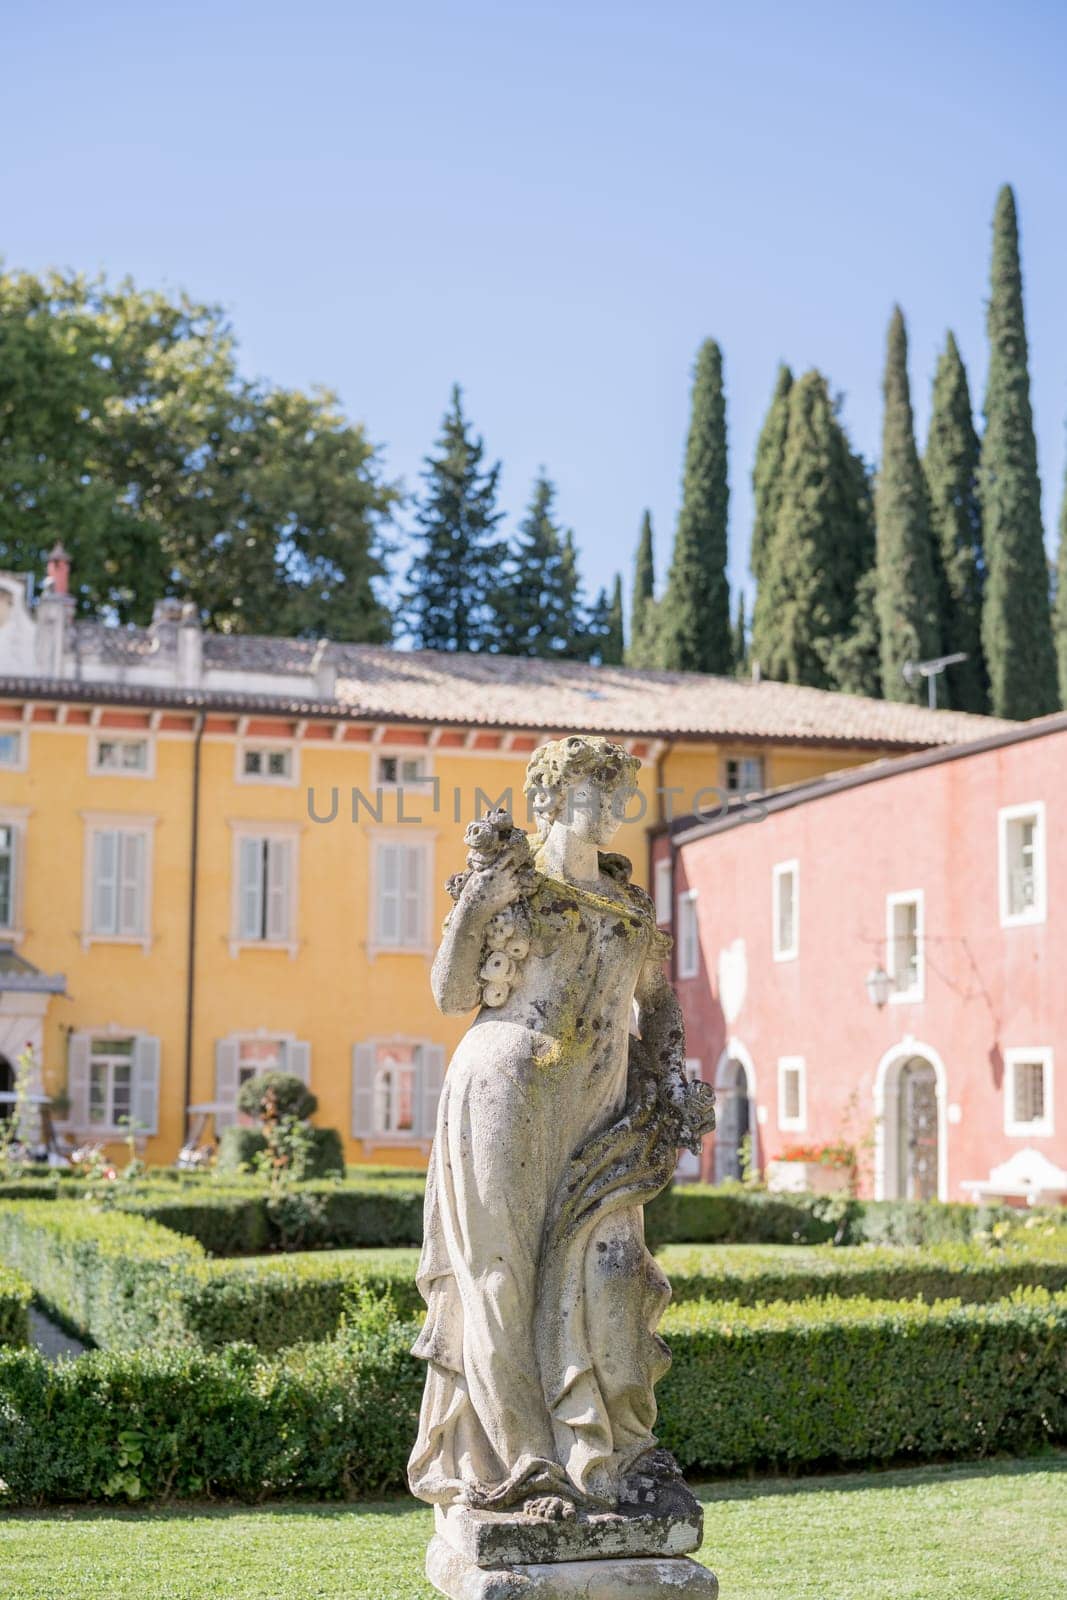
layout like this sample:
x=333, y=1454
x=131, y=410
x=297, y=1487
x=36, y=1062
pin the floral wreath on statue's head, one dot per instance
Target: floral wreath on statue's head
x=561, y=763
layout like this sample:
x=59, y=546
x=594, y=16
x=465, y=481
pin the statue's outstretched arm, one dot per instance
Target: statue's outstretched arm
x=457, y=964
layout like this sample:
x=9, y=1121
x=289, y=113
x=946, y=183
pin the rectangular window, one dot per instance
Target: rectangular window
x=745, y=774
x=10, y=749
x=792, y=1094
x=8, y=869
x=1028, y=1092
x=662, y=884
x=401, y=899
x=688, y=939
x=255, y=1056
x=396, y=1070
x=266, y=763
x=119, y=884
x=1022, y=864
x=785, y=910
x=265, y=867
x=110, y=1082
x=397, y=770
x=904, y=945
x=128, y=757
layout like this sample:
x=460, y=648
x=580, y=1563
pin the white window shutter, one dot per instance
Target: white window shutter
x=432, y=1076
x=105, y=882
x=78, y=1082
x=298, y=1060
x=250, y=889
x=362, y=1091
x=413, y=859
x=226, y=1082
x=145, y=1098
x=388, y=894
x=279, y=879
x=131, y=856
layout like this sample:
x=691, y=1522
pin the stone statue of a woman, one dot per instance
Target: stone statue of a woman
x=556, y=1124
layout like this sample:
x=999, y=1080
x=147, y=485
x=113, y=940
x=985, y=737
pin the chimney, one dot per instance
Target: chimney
x=59, y=569
x=190, y=647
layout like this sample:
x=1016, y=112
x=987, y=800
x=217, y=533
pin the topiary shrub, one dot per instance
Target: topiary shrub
x=239, y=1147
x=276, y=1094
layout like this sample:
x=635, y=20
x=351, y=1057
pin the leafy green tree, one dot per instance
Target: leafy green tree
x=455, y=577
x=821, y=545
x=767, y=471
x=641, y=651
x=694, y=616
x=1016, y=619
x=127, y=431
x=909, y=625
x=950, y=467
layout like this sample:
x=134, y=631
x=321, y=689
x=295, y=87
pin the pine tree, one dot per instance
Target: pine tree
x=641, y=651
x=740, y=645
x=767, y=471
x=534, y=605
x=908, y=618
x=572, y=604
x=455, y=576
x=604, y=629
x=821, y=545
x=694, y=619
x=1061, y=599
x=1016, y=621
x=950, y=467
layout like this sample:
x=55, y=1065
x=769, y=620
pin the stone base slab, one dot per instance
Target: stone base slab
x=669, y=1523
x=648, y=1578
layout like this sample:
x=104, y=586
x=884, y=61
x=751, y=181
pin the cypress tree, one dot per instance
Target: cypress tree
x=907, y=586
x=1061, y=599
x=455, y=575
x=613, y=651
x=950, y=467
x=534, y=604
x=572, y=604
x=694, y=619
x=740, y=648
x=642, y=647
x=1016, y=620
x=821, y=544
x=767, y=471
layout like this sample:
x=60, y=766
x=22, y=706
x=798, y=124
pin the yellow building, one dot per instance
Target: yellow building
x=219, y=853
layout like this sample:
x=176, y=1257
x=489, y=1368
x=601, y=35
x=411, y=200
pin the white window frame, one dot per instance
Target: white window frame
x=82, y=1040
x=289, y=747
x=430, y=1062
x=278, y=832
x=918, y=991
x=740, y=757
x=401, y=753
x=422, y=944
x=799, y=1123
x=1014, y=1057
x=663, y=890
x=98, y=822
x=688, y=960
x=1034, y=810
x=121, y=736
x=14, y=817
x=785, y=869
x=16, y=731
x=110, y=1123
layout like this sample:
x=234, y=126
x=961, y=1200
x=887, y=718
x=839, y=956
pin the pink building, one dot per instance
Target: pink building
x=880, y=957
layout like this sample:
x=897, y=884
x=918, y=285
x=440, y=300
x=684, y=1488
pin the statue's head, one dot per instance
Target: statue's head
x=584, y=783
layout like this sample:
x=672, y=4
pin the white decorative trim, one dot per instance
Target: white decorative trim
x=101, y=736
x=736, y=1051
x=116, y=822
x=267, y=828
x=783, y=869
x=687, y=897
x=400, y=752
x=799, y=1123
x=1018, y=1055
x=905, y=897
x=1038, y=911
x=663, y=890
x=245, y=743
x=19, y=731
x=423, y=840
x=15, y=818
x=885, y=1129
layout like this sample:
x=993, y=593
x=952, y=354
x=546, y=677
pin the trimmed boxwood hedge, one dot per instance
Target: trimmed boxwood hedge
x=239, y=1146
x=818, y=1384
x=237, y=1221
x=15, y=1297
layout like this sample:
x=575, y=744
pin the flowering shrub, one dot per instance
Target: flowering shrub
x=838, y=1154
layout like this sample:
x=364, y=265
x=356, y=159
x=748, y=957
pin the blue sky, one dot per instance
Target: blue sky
x=554, y=204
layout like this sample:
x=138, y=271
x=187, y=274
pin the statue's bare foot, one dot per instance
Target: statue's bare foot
x=549, y=1508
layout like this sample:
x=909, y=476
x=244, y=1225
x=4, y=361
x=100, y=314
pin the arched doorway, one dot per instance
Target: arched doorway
x=910, y=1152
x=735, y=1114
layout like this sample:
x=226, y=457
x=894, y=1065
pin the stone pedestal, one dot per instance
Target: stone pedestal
x=630, y=1578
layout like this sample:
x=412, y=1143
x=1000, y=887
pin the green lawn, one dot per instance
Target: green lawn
x=982, y=1532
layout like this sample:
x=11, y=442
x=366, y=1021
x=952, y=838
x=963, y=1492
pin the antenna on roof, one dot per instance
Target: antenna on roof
x=931, y=671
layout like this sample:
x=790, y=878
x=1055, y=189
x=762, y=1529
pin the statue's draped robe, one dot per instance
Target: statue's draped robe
x=542, y=1361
